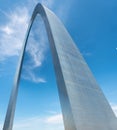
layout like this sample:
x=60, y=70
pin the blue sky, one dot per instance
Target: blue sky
x=93, y=27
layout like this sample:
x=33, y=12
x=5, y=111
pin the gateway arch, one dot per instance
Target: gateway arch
x=84, y=106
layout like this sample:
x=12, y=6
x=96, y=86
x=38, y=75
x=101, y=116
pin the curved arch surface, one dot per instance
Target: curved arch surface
x=84, y=107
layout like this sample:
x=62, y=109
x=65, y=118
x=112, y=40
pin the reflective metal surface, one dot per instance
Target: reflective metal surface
x=84, y=107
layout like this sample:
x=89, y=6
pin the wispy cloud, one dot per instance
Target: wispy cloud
x=12, y=35
x=31, y=76
x=56, y=119
x=84, y=53
x=1, y=126
x=7, y=30
x=53, y=122
x=114, y=107
x=36, y=50
x=12, y=32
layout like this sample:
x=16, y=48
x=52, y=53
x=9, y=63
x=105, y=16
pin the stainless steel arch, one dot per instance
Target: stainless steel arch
x=84, y=106
x=39, y=9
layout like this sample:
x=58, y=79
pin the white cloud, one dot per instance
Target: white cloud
x=114, y=107
x=56, y=119
x=13, y=32
x=7, y=30
x=32, y=77
x=35, y=52
x=12, y=35
x=84, y=53
x=1, y=126
x=53, y=122
x=37, y=43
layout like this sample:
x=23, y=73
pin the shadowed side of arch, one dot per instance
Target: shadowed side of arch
x=84, y=106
